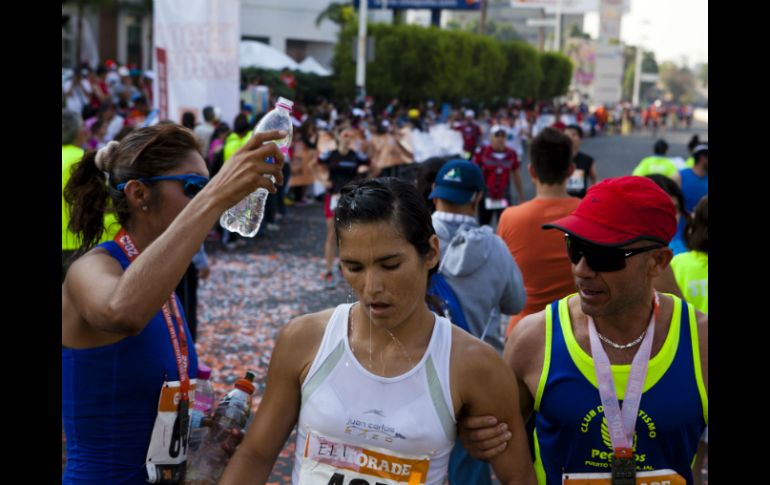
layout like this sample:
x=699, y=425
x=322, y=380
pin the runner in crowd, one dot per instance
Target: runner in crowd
x=383, y=378
x=124, y=340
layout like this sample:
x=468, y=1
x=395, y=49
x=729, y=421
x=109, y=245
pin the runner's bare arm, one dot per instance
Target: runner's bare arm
x=488, y=387
x=517, y=183
x=524, y=351
x=277, y=414
x=125, y=302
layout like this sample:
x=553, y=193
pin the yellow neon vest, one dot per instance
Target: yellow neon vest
x=233, y=143
x=655, y=164
x=691, y=270
x=70, y=155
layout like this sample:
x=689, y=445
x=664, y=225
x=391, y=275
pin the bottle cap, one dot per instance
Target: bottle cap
x=204, y=371
x=284, y=103
x=245, y=385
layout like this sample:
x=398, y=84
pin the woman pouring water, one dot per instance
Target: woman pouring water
x=376, y=387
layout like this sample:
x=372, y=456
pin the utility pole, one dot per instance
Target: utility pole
x=558, y=26
x=637, y=75
x=483, y=16
x=361, y=57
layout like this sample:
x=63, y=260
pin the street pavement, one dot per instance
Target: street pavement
x=617, y=155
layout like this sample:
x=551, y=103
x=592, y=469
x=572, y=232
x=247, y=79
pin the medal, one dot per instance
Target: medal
x=623, y=467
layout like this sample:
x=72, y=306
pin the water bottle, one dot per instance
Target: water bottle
x=245, y=217
x=206, y=466
x=204, y=404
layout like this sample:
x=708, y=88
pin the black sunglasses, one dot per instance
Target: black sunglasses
x=599, y=258
x=191, y=183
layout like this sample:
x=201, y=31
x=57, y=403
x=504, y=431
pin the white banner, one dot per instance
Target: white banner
x=200, y=39
x=608, y=74
x=610, y=15
x=566, y=6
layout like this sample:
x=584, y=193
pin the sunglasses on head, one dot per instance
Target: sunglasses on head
x=600, y=258
x=191, y=183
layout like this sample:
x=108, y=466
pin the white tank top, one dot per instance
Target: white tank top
x=359, y=415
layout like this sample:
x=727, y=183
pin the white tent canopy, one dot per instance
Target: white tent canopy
x=309, y=64
x=257, y=54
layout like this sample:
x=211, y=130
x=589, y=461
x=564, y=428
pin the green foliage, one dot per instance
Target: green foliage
x=496, y=30
x=679, y=82
x=649, y=66
x=414, y=63
x=523, y=74
x=703, y=75
x=557, y=73
x=578, y=32
x=310, y=87
x=343, y=64
x=337, y=12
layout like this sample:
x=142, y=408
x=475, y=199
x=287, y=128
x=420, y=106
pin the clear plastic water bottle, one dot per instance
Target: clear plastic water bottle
x=206, y=466
x=204, y=405
x=245, y=217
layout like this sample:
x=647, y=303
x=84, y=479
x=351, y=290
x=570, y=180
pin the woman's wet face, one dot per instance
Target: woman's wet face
x=385, y=270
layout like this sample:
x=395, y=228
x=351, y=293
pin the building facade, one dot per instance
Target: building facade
x=123, y=31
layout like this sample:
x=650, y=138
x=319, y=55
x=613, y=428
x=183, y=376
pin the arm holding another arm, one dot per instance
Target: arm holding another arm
x=495, y=395
x=524, y=354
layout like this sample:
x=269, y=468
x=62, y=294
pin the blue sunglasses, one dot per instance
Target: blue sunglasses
x=191, y=183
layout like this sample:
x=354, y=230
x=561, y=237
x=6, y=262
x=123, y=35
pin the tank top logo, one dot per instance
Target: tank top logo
x=372, y=431
x=600, y=458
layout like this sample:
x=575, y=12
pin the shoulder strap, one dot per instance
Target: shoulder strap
x=115, y=251
x=450, y=306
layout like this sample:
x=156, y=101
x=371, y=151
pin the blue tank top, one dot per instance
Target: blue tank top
x=570, y=430
x=693, y=188
x=110, y=400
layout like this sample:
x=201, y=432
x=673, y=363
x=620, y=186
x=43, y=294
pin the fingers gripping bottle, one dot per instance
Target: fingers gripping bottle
x=246, y=216
x=208, y=464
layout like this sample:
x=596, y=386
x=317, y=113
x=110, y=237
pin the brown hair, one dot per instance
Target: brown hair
x=551, y=154
x=696, y=233
x=145, y=152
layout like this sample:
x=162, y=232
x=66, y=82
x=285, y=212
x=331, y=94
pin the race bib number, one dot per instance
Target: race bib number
x=490, y=204
x=656, y=477
x=328, y=461
x=333, y=201
x=167, y=453
x=577, y=180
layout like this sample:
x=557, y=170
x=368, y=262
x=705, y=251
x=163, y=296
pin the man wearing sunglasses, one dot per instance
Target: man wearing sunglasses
x=617, y=374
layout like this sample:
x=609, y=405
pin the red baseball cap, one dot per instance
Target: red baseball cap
x=619, y=211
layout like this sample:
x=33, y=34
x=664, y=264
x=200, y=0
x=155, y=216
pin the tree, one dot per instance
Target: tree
x=578, y=32
x=557, y=73
x=678, y=81
x=497, y=30
x=649, y=66
x=337, y=12
x=703, y=75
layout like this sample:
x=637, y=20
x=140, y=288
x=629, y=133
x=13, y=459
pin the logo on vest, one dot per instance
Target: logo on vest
x=600, y=458
x=372, y=431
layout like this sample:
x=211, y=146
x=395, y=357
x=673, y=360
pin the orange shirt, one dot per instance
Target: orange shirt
x=541, y=254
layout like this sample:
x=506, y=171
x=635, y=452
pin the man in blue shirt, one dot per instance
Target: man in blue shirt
x=695, y=180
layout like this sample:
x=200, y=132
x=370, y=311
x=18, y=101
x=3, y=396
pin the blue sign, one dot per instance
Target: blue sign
x=424, y=4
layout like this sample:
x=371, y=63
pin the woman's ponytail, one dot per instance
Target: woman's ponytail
x=87, y=197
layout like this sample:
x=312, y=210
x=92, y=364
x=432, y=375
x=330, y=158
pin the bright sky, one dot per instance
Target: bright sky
x=673, y=29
